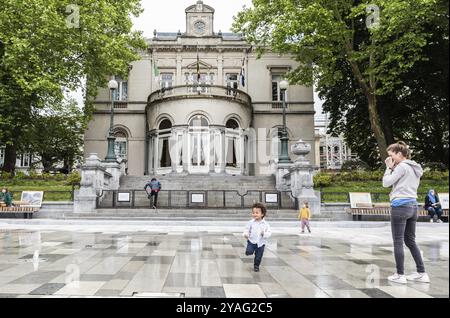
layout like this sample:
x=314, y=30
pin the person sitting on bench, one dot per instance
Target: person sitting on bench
x=433, y=206
x=6, y=197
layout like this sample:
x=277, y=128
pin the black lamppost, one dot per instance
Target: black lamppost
x=111, y=154
x=284, y=155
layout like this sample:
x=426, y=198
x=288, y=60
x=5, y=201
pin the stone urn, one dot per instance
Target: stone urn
x=301, y=149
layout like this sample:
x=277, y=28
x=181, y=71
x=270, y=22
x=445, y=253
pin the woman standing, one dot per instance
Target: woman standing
x=403, y=175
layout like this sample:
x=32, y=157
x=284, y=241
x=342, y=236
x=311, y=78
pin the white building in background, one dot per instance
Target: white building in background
x=201, y=102
x=331, y=152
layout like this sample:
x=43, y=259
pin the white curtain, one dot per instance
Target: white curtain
x=173, y=148
x=217, y=149
x=180, y=150
x=229, y=149
x=160, y=150
x=194, y=146
x=204, y=147
x=237, y=148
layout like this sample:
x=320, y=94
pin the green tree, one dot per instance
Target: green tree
x=415, y=111
x=57, y=136
x=321, y=34
x=52, y=46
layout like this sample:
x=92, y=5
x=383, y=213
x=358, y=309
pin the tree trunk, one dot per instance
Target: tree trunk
x=10, y=159
x=385, y=119
x=375, y=124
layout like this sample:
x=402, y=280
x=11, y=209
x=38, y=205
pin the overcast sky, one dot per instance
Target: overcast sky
x=169, y=15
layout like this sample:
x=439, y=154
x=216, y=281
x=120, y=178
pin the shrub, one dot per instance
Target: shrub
x=73, y=178
x=322, y=180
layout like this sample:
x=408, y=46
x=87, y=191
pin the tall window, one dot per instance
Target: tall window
x=277, y=95
x=165, y=130
x=233, y=143
x=276, y=143
x=166, y=80
x=121, y=93
x=121, y=144
x=199, y=140
x=232, y=80
x=24, y=160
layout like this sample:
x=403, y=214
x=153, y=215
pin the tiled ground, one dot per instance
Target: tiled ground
x=116, y=259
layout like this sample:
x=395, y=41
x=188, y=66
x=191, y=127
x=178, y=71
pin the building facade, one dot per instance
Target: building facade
x=201, y=102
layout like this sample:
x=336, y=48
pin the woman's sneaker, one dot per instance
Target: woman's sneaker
x=396, y=278
x=419, y=277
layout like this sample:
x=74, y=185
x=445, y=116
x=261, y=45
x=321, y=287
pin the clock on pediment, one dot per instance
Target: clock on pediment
x=199, y=27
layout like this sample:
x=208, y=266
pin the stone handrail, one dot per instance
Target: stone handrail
x=200, y=91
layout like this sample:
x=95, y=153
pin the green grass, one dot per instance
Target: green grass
x=53, y=190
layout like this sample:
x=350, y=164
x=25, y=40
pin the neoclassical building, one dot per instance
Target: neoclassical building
x=201, y=102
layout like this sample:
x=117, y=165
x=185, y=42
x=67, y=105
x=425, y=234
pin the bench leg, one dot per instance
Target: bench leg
x=360, y=217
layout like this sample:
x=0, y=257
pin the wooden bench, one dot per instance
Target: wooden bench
x=17, y=208
x=361, y=204
x=29, y=204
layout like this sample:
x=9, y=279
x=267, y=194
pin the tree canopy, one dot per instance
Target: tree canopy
x=366, y=46
x=51, y=46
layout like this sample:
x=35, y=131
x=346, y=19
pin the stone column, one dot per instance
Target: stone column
x=186, y=151
x=220, y=69
x=301, y=172
x=223, y=161
x=179, y=79
x=212, y=157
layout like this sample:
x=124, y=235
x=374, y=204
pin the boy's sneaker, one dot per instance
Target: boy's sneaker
x=256, y=268
x=303, y=232
x=396, y=278
x=431, y=220
x=419, y=277
x=439, y=221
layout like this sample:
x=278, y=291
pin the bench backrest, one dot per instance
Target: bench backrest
x=34, y=198
x=443, y=198
x=360, y=200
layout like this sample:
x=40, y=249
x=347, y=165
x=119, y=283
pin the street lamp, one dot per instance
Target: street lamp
x=111, y=154
x=284, y=155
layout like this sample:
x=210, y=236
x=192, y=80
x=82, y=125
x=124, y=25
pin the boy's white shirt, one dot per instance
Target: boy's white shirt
x=254, y=229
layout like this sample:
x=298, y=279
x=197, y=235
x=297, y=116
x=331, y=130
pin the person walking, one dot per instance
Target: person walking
x=155, y=187
x=304, y=216
x=403, y=175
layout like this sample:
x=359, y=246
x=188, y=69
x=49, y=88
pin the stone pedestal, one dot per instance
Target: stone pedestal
x=297, y=177
x=95, y=177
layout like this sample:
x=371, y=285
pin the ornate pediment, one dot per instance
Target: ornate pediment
x=203, y=65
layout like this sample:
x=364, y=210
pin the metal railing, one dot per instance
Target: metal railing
x=196, y=199
x=186, y=91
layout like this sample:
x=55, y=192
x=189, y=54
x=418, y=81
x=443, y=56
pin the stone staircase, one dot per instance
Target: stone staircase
x=202, y=182
x=241, y=184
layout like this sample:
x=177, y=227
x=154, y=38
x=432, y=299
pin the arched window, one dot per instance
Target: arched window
x=165, y=130
x=276, y=135
x=198, y=121
x=232, y=124
x=233, y=143
x=121, y=144
x=199, y=141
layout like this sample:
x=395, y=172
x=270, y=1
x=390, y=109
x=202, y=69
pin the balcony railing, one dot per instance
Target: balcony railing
x=200, y=91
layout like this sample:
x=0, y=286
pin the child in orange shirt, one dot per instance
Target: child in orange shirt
x=304, y=216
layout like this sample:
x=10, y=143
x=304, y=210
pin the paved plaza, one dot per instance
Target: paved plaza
x=57, y=258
